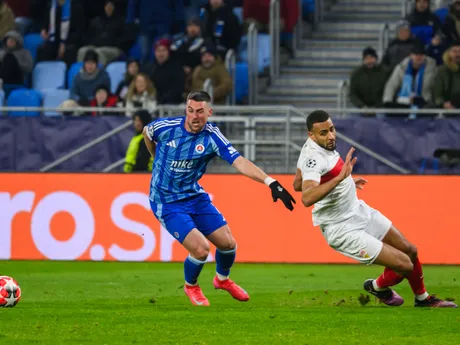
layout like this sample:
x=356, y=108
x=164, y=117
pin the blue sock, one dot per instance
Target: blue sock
x=225, y=260
x=192, y=269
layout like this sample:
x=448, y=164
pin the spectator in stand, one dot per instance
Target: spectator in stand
x=157, y=18
x=221, y=26
x=411, y=83
x=64, y=25
x=446, y=90
x=103, y=99
x=422, y=16
x=168, y=76
x=132, y=69
x=186, y=48
x=141, y=94
x=6, y=18
x=88, y=80
x=258, y=11
x=452, y=23
x=436, y=48
x=367, y=82
x=212, y=68
x=15, y=61
x=400, y=47
x=138, y=157
x=105, y=35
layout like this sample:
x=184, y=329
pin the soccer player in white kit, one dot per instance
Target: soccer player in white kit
x=348, y=224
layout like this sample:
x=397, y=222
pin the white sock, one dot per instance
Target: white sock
x=188, y=284
x=422, y=297
x=221, y=277
x=376, y=287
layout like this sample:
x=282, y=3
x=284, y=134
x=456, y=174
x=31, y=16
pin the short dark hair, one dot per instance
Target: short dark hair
x=316, y=117
x=199, y=96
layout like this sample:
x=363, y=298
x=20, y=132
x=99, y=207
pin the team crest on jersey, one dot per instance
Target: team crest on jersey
x=199, y=148
x=311, y=163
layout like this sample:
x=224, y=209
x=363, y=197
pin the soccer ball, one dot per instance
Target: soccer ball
x=10, y=292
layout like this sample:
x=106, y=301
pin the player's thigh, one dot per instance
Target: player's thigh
x=222, y=238
x=396, y=239
x=395, y=259
x=206, y=216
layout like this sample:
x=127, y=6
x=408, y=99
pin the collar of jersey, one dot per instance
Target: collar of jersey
x=182, y=125
x=317, y=147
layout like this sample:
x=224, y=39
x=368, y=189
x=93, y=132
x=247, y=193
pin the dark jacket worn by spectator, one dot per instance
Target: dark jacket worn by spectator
x=63, y=26
x=214, y=69
x=400, y=47
x=436, y=48
x=15, y=61
x=6, y=18
x=138, y=157
x=422, y=16
x=222, y=27
x=367, y=82
x=452, y=24
x=88, y=80
x=446, y=89
x=168, y=76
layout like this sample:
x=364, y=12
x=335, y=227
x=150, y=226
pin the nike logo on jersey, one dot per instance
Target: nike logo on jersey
x=172, y=143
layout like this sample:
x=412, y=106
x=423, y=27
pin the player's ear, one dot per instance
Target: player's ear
x=210, y=110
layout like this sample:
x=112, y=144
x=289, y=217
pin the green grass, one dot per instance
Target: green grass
x=143, y=303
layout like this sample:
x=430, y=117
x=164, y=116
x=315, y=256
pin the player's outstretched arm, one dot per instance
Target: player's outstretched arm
x=249, y=169
x=149, y=143
x=313, y=192
x=298, y=181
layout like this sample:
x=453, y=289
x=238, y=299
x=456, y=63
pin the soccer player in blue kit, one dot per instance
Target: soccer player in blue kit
x=182, y=148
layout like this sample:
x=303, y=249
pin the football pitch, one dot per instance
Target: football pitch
x=143, y=303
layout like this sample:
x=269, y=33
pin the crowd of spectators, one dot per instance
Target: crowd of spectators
x=420, y=68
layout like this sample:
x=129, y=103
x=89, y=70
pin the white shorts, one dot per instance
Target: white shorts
x=359, y=237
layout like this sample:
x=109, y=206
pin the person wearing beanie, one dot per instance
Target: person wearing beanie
x=424, y=23
x=368, y=81
x=400, y=47
x=88, y=80
x=212, y=67
x=168, y=75
x=138, y=157
x=132, y=70
x=103, y=98
x=446, y=90
x=411, y=83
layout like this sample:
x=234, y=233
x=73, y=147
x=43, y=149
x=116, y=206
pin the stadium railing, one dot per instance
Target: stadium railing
x=342, y=94
x=275, y=32
x=230, y=64
x=253, y=63
x=384, y=39
x=273, y=133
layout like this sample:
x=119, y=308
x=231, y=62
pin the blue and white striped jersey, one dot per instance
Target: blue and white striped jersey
x=181, y=158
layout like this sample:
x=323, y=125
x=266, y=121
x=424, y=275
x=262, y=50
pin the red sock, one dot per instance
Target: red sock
x=388, y=278
x=416, y=279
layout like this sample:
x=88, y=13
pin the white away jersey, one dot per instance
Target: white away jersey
x=321, y=165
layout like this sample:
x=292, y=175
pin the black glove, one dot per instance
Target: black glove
x=279, y=192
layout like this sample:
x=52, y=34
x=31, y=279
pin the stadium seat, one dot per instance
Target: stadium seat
x=263, y=51
x=72, y=72
x=238, y=11
x=116, y=71
x=242, y=82
x=442, y=13
x=49, y=75
x=308, y=6
x=32, y=42
x=53, y=98
x=423, y=32
x=24, y=98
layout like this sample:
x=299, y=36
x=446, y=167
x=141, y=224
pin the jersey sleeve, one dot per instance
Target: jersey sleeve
x=151, y=133
x=223, y=148
x=312, y=167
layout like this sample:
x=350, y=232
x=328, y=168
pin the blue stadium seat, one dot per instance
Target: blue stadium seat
x=32, y=42
x=49, y=75
x=241, y=82
x=442, y=13
x=116, y=71
x=238, y=11
x=423, y=32
x=24, y=98
x=53, y=98
x=263, y=51
x=72, y=72
x=308, y=6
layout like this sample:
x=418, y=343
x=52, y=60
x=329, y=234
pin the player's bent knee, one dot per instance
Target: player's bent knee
x=201, y=252
x=412, y=252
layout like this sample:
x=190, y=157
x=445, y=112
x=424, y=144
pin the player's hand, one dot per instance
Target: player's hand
x=348, y=165
x=279, y=192
x=360, y=182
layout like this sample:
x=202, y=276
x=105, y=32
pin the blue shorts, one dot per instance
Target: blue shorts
x=181, y=217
